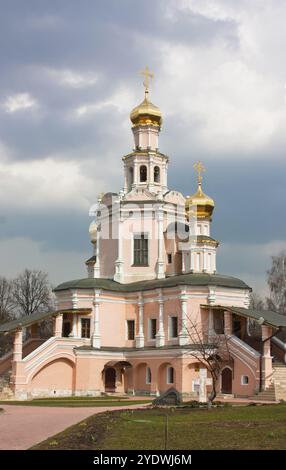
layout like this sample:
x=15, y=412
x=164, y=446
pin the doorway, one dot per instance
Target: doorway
x=110, y=379
x=226, y=381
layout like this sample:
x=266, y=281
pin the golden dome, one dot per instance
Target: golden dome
x=199, y=204
x=146, y=113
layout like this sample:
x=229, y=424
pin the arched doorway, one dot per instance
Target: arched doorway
x=226, y=380
x=110, y=379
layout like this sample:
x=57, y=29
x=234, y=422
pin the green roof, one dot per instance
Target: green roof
x=270, y=317
x=24, y=321
x=35, y=318
x=190, y=279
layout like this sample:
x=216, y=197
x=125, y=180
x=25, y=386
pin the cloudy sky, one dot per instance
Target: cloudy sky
x=68, y=80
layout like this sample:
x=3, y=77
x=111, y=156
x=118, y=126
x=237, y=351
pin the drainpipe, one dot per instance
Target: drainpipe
x=262, y=351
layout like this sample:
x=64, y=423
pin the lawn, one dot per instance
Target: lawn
x=240, y=427
x=72, y=402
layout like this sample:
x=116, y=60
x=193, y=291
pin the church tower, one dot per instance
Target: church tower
x=137, y=234
x=199, y=254
x=146, y=167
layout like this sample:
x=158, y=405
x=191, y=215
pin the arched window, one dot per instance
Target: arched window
x=143, y=173
x=170, y=375
x=148, y=375
x=156, y=174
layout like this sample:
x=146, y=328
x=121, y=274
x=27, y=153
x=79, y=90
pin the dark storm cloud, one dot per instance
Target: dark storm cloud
x=112, y=39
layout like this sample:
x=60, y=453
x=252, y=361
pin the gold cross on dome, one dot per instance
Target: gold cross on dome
x=147, y=76
x=199, y=167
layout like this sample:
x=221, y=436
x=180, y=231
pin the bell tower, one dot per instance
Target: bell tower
x=146, y=167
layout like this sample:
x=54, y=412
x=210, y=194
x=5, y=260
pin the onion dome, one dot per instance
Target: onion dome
x=146, y=113
x=199, y=204
x=93, y=231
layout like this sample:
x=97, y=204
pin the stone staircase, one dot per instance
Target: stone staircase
x=277, y=390
x=266, y=395
x=5, y=390
x=279, y=379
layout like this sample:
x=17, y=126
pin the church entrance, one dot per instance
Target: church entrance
x=226, y=381
x=110, y=379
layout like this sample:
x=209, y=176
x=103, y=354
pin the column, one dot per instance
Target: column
x=160, y=336
x=74, y=333
x=119, y=262
x=183, y=335
x=126, y=170
x=211, y=322
x=154, y=382
x=164, y=176
x=267, y=370
x=204, y=260
x=95, y=340
x=151, y=175
x=140, y=337
x=96, y=269
x=183, y=262
x=135, y=175
x=18, y=346
x=227, y=323
x=58, y=325
x=160, y=261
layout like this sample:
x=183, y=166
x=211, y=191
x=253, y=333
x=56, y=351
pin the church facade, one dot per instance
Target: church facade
x=152, y=302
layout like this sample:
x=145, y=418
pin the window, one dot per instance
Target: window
x=130, y=329
x=85, y=328
x=152, y=328
x=140, y=250
x=170, y=375
x=148, y=375
x=143, y=173
x=244, y=380
x=219, y=322
x=173, y=327
x=169, y=258
x=66, y=328
x=156, y=174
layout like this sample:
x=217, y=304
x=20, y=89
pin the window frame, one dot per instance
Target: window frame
x=150, y=329
x=168, y=381
x=158, y=176
x=141, y=236
x=128, y=322
x=242, y=378
x=146, y=169
x=148, y=376
x=171, y=336
x=85, y=319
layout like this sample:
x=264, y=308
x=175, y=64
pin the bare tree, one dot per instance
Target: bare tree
x=256, y=302
x=277, y=284
x=31, y=293
x=211, y=350
x=6, y=300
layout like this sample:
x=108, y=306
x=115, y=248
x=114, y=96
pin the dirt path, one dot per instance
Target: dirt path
x=21, y=427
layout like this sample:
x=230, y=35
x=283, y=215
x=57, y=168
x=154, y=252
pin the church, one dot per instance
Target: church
x=127, y=327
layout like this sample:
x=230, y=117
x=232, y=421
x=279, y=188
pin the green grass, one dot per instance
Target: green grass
x=243, y=427
x=72, y=402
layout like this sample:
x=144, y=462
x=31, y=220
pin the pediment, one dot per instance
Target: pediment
x=175, y=197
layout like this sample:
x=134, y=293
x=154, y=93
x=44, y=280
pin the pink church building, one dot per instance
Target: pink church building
x=152, y=276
